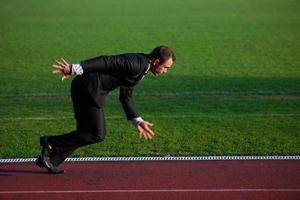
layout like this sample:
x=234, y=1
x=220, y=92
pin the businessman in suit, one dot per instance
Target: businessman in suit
x=94, y=79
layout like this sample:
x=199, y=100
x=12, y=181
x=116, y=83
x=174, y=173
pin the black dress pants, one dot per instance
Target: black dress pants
x=90, y=125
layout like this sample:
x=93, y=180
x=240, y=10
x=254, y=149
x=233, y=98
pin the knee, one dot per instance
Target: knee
x=98, y=136
x=93, y=137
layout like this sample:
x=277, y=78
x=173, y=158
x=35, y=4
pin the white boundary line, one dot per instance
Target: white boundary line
x=154, y=190
x=167, y=158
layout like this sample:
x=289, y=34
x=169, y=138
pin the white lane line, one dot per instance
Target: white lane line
x=154, y=190
x=157, y=117
x=165, y=158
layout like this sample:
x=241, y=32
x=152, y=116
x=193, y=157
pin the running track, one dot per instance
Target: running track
x=252, y=179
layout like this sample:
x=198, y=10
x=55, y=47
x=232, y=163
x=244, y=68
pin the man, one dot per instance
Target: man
x=94, y=79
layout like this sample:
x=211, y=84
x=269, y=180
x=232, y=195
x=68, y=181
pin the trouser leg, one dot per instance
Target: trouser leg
x=58, y=156
x=90, y=129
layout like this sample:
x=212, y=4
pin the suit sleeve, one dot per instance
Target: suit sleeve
x=127, y=102
x=114, y=65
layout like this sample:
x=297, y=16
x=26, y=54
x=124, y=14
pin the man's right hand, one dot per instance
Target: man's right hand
x=62, y=67
x=144, y=130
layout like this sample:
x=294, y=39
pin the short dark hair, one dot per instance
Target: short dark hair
x=162, y=53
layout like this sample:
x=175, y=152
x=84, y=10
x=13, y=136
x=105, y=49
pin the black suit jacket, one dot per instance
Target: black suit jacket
x=105, y=73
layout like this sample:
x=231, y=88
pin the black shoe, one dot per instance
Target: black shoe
x=44, y=159
x=49, y=166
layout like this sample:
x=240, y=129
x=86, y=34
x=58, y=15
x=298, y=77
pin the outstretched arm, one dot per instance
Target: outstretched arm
x=113, y=65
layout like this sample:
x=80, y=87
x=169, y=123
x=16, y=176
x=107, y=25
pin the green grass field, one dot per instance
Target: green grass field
x=233, y=90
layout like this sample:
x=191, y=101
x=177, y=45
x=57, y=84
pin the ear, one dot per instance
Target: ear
x=156, y=62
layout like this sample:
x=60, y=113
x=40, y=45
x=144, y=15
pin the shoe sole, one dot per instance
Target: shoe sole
x=52, y=170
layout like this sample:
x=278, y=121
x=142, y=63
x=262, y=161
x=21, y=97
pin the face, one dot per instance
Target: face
x=158, y=68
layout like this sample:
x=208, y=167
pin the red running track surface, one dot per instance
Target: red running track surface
x=154, y=180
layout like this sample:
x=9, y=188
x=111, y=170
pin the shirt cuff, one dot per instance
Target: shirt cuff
x=77, y=69
x=136, y=121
